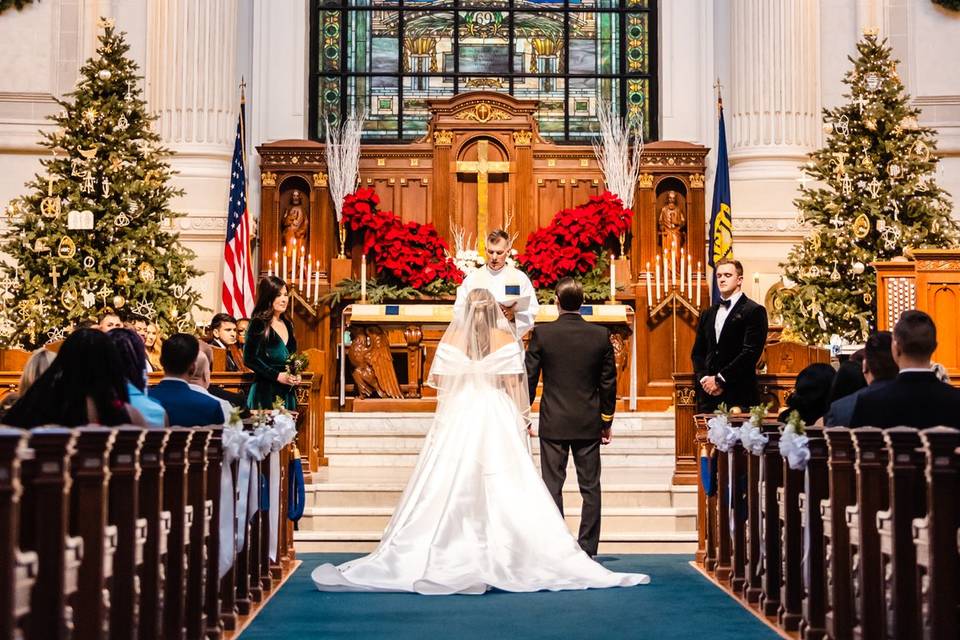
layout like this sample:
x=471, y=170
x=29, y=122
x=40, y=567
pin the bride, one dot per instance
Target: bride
x=475, y=514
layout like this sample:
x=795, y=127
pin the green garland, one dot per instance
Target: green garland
x=952, y=5
x=596, y=284
x=18, y=4
x=377, y=293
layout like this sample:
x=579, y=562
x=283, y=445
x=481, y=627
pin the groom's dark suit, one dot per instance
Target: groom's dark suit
x=579, y=398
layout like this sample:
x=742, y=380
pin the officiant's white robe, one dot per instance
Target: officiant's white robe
x=496, y=282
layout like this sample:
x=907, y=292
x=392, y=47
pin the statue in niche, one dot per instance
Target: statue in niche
x=294, y=223
x=672, y=221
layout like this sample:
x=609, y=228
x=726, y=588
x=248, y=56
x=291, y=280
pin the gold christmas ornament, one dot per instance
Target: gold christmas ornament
x=921, y=150
x=90, y=153
x=119, y=301
x=867, y=298
x=815, y=241
x=89, y=262
x=835, y=275
x=69, y=298
x=861, y=226
x=894, y=170
x=828, y=127
x=870, y=124
x=40, y=246
x=121, y=220
x=873, y=81
x=50, y=206
x=67, y=248
x=146, y=271
x=123, y=279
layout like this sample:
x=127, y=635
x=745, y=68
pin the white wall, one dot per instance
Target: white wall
x=42, y=47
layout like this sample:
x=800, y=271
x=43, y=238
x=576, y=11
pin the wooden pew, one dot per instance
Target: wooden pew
x=131, y=531
x=202, y=510
x=229, y=589
x=722, y=521
x=706, y=505
x=737, y=468
x=870, y=466
x=18, y=569
x=211, y=605
x=815, y=489
x=934, y=536
x=89, y=468
x=790, y=611
x=907, y=491
x=175, y=501
x=152, y=583
x=44, y=520
x=771, y=470
x=842, y=485
x=752, y=586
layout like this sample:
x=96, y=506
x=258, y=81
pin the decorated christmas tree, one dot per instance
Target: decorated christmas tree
x=873, y=196
x=94, y=231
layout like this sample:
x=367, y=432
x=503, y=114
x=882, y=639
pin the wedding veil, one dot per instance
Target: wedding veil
x=480, y=347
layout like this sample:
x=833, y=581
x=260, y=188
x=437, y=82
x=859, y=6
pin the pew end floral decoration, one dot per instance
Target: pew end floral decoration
x=794, y=444
x=719, y=430
x=750, y=436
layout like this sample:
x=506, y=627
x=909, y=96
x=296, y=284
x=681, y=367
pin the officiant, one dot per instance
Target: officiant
x=510, y=287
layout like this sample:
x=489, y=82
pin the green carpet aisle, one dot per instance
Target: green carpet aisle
x=679, y=603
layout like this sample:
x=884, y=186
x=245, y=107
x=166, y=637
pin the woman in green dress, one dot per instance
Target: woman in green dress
x=269, y=342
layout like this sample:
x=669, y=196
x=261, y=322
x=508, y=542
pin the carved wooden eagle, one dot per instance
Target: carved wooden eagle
x=369, y=353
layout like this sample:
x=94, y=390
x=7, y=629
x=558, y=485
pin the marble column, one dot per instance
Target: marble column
x=772, y=105
x=191, y=86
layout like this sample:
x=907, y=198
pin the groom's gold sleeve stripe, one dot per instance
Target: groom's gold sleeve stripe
x=606, y=416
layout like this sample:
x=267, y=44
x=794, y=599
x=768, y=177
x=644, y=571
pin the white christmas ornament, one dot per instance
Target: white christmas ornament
x=858, y=267
x=105, y=74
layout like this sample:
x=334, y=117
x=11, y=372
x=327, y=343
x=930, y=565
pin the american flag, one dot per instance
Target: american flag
x=238, y=285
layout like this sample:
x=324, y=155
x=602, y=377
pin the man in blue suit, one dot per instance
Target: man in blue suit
x=185, y=407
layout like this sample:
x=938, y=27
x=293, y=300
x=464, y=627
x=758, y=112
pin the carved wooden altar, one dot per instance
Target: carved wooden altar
x=483, y=157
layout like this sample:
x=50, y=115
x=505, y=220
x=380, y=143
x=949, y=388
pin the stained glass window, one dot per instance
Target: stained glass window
x=390, y=57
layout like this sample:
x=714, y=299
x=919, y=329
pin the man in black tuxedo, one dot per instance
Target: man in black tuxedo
x=915, y=398
x=729, y=343
x=879, y=369
x=579, y=398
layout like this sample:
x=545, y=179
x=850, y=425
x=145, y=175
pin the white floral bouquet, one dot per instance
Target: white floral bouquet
x=720, y=432
x=794, y=444
x=750, y=436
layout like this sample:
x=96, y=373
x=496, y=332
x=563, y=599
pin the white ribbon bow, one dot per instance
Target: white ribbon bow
x=751, y=438
x=795, y=448
x=721, y=434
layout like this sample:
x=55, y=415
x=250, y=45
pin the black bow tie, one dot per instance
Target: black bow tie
x=725, y=304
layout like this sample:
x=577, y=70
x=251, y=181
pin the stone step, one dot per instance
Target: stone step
x=615, y=519
x=625, y=457
x=336, y=423
x=621, y=542
x=347, y=495
x=375, y=441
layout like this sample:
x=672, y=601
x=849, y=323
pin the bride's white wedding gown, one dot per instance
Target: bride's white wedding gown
x=475, y=514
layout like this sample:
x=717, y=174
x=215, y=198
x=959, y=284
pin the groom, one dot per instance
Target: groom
x=579, y=397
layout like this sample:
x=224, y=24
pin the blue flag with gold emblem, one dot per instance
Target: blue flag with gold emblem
x=721, y=220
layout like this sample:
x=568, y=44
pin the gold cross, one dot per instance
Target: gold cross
x=54, y=276
x=483, y=168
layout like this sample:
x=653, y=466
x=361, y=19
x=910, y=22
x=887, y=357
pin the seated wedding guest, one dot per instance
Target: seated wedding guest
x=232, y=399
x=84, y=385
x=108, y=320
x=152, y=341
x=86, y=324
x=199, y=379
x=185, y=407
x=849, y=378
x=242, y=325
x=134, y=361
x=39, y=362
x=811, y=395
x=138, y=323
x=915, y=398
x=223, y=334
x=878, y=370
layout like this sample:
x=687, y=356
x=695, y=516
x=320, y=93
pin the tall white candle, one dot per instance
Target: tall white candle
x=283, y=272
x=309, y=280
x=681, y=269
x=300, y=278
x=316, y=284
x=689, y=277
x=699, y=274
x=649, y=290
x=613, y=279
x=293, y=265
x=269, y=267
x=673, y=267
x=363, y=278
x=657, y=277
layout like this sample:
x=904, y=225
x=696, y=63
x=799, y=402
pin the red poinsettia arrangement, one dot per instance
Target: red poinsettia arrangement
x=574, y=240
x=409, y=254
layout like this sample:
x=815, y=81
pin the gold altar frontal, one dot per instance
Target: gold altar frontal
x=378, y=340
